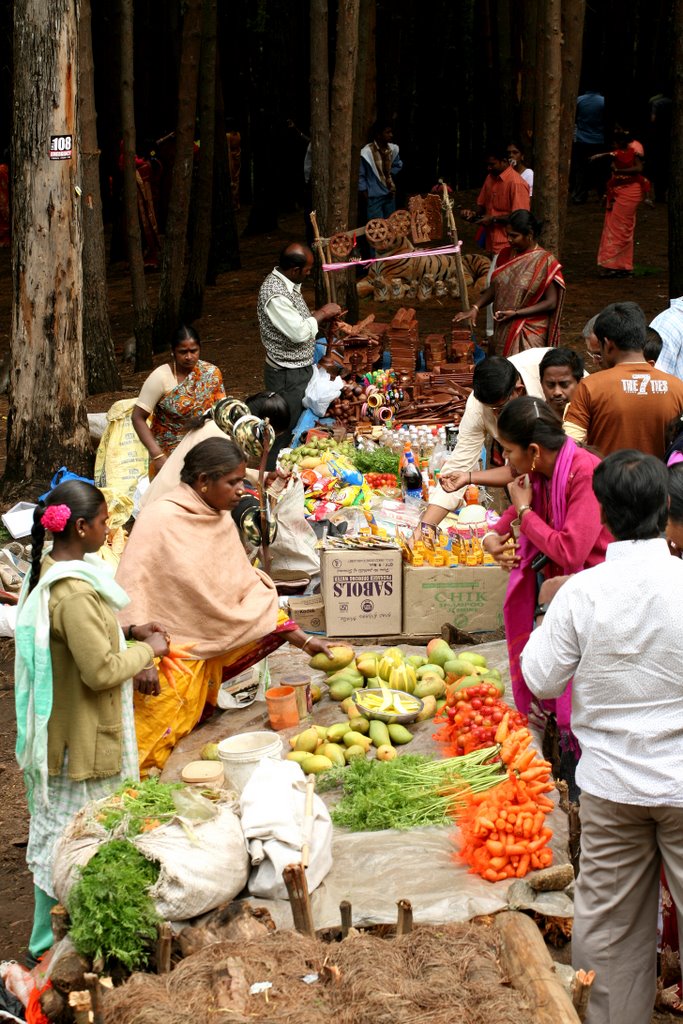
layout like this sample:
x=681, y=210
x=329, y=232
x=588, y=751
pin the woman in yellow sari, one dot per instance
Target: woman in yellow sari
x=185, y=556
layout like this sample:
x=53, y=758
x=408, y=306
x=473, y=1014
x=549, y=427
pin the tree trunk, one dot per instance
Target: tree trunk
x=47, y=423
x=342, y=179
x=100, y=361
x=573, y=14
x=224, y=251
x=167, y=318
x=320, y=125
x=193, y=294
x=527, y=106
x=142, y=318
x=546, y=194
x=675, y=196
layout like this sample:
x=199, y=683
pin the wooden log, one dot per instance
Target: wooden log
x=552, y=879
x=81, y=1006
x=307, y=827
x=52, y=1004
x=462, y=285
x=294, y=877
x=163, y=948
x=229, y=986
x=59, y=920
x=318, y=244
x=530, y=969
x=581, y=992
x=346, y=917
x=404, y=924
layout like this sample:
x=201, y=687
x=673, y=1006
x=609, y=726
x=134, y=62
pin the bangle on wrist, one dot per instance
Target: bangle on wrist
x=151, y=665
x=306, y=642
x=159, y=456
x=522, y=509
x=129, y=633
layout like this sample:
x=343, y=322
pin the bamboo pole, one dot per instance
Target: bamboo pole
x=318, y=244
x=294, y=877
x=530, y=968
x=459, y=269
x=581, y=992
x=307, y=827
x=163, y=948
x=93, y=984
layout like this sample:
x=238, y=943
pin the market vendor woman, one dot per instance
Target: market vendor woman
x=173, y=395
x=185, y=559
x=73, y=691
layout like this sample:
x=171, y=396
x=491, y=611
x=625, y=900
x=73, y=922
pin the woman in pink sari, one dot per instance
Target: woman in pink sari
x=555, y=521
x=625, y=190
x=526, y=290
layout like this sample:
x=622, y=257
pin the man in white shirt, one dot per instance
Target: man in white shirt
x=288, y=328
x=669, y=325
x=496, y=382
x=614, y=630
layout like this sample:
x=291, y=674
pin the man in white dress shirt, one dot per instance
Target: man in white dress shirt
x=615, y=630
x=288, y=328
x=669, y=325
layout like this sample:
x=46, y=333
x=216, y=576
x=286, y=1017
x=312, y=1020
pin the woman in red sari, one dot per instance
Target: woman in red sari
x=625, y=190
x=527, y=292
x=173, y=395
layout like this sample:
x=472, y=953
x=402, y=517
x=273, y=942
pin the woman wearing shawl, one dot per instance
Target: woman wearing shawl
x=73, y=690
x=526, y=290
x=173, y=395
x=626, y=188
x=184, y=558
x=556, y=515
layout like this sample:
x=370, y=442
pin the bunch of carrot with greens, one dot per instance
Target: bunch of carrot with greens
x=503, y=833
x=171, y=665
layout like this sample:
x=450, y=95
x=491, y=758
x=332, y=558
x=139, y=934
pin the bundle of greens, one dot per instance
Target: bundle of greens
x=137, y=807
x=112, y=913
x=379, y=460
x=409, y=791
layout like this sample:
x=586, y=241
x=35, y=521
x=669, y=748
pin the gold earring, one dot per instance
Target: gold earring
x=81, y=533
x=533, y=463
x=204, y=489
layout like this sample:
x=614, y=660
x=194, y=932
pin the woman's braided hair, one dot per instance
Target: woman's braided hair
x=83, y=501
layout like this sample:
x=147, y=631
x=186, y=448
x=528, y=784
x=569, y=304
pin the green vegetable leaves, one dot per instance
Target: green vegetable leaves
x=137, y=806
x=380, y=460
x=112, y=914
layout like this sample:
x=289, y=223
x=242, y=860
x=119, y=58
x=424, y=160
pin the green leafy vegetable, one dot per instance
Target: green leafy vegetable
x=112, y=913
x=379, y=460
x=137, y=805
x=408, y=792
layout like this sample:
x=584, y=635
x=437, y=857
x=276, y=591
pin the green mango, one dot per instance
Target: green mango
x=399, y=734
x=476, y=659
x=459, y=667
x=416, y=660
x=379, y=734
x=430, y=667
x=341, y=690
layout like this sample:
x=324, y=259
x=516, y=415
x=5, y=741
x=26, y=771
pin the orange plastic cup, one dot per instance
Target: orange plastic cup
x=282, y=708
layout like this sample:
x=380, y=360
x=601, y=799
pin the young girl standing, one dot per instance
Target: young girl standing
x=73, y=689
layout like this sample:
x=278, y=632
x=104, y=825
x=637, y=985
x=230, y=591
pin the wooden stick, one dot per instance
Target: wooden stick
x=404, y=924
x=93, y=985
x=331, y=277
x=530, y=968
x=317, y=241
x=346, y=917
x=581, y=992
x=263, y=498
x=297, y=889
x=459, y=269
x=307, y=827
x=163, y=948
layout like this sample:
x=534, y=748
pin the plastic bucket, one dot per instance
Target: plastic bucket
x=240, y=754
x=282, y=709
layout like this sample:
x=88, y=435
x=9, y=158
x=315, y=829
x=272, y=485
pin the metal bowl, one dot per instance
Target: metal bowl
x=382, y=716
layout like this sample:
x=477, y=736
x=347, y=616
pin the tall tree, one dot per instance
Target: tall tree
x=100, y=360
x=47, y=423
x=573, y=15
x=320, y=123
x=546, y=192
x=224, y=252
x=342, y=177
x=167, y=318
x=675, y=196
x=142, y=317
x=193, y=292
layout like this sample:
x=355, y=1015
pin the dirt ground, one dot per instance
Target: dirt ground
x=230, y=339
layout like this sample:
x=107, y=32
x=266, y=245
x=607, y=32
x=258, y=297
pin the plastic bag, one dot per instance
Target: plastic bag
x=121, y=456
x=321, y=391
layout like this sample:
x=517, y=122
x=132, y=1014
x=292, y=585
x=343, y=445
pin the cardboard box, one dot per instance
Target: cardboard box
x=469, y=598
x=308, y=613
x=361, y=589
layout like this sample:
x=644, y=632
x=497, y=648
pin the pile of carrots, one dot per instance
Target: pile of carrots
x=172, y=663
x=502, y=830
